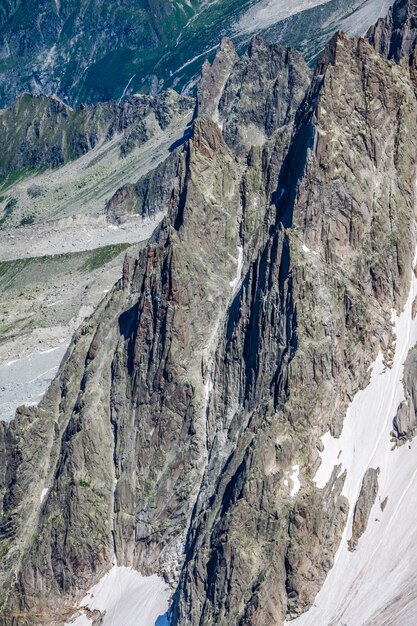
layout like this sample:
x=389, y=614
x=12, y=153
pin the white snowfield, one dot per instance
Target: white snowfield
x=127, y=598
x=268, y=12
x=377, y=584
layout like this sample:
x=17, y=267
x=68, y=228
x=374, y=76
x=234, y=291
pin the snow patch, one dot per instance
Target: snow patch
x=127, y=598
x=376, y=581
x=308, y=251
x=81, y=620
x=208, y=388
x=43, y=494
x=239, y=262
x=293, y=480
x=125, y=89
x=190, y=61
x=294, y=477
x=268, y=12
x=47, y=351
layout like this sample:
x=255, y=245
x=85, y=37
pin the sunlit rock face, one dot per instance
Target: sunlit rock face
x=216, y=421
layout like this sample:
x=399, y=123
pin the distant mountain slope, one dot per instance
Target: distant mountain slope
x=94, y=50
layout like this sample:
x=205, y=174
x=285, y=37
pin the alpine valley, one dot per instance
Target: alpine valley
x=208, y=324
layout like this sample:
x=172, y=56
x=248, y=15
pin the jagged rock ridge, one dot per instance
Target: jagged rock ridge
x=182, y=431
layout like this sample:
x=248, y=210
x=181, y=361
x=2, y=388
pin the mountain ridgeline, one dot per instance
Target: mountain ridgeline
x=40, y=132
x=182, y=433
x=89, y=51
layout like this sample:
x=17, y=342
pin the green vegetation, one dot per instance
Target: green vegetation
x=160, y=42
x=13, y=178
x=100, y=256
x=83, y=262
x=16, y=175
x=27, y=220
x=10, y=269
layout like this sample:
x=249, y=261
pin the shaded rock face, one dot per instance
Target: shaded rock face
x=363, y=506
x=252, y=97
x=182, y=430
x=148, y=197
x=395, y=36
x=405, y=422
x=262, y=94
x=40, y=132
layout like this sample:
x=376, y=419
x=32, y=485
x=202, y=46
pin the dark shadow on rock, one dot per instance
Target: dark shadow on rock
x=127, y=321
x=181, y=141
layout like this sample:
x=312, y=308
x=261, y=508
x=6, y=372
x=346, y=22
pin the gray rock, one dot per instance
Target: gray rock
x=231, y=344
x=363, y=506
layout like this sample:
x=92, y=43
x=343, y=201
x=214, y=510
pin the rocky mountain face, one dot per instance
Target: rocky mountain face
x=40, y=132
x=326, y=290
x=97, y=51
x=182, y=433
x=395, y=35
x=60, y=249
x=150, y=195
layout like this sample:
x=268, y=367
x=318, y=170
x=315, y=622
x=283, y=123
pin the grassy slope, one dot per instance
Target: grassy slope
x=21, y=273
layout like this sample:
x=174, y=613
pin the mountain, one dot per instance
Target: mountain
x=77, y=189
x=230, y=434
x=40, y=132
x=89, y=51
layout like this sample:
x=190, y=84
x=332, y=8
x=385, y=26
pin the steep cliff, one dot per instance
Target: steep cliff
x=183, y=433
x=395, y=35
x=313, y=311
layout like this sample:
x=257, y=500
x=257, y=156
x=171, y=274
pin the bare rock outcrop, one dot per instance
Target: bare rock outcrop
x=395, y=36
x=148, y=197
x=363, y=506
x=405, y=421
x=182, y=430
